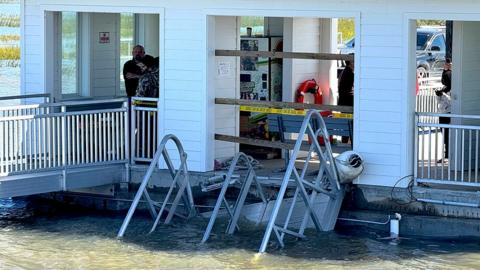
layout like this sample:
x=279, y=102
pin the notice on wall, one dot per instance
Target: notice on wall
x=224, y=69
x=104, y=37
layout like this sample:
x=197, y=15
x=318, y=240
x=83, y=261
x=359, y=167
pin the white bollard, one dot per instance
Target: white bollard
x=395, y=226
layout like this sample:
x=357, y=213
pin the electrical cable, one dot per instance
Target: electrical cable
x=409, y=190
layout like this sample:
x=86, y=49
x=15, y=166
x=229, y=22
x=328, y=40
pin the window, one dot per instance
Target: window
x=127, y=41
x=69, y=53
x=439, y=41
x=422, y=39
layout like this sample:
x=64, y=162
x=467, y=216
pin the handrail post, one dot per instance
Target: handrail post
x=127, y=140
x=64, y=146
x=415, y=151
x=132, y=126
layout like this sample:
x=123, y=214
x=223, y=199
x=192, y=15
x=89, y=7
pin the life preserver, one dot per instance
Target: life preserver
x=309, y=86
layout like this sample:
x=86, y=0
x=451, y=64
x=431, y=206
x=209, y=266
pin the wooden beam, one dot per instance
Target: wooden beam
x=283, y=105
x=257, y=142
x=295, y=55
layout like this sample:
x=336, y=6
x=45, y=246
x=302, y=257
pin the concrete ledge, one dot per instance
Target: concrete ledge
x=404, y=200
x=439, y=228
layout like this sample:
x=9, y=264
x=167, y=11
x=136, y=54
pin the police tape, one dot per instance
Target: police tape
x=289, y=111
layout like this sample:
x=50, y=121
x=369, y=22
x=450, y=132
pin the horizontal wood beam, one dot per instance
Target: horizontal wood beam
x=283, y=105
x=257, y=142
x=294, y=55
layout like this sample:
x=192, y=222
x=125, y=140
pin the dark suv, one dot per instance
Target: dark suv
x=430, y=50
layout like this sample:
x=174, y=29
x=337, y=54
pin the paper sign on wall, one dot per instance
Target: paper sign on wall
x=223, y=69
x=104, y=37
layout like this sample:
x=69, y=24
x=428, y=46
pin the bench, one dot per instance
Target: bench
x=292, y=124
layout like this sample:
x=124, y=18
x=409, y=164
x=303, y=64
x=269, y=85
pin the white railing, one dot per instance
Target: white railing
x=61, y=135
x=144, y=119
x=448, y=153
x=426, y=98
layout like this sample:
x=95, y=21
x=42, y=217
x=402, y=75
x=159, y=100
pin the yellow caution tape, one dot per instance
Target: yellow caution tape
x=288, y=111
x=271, y=110
x=144, y=102
x=342, y=115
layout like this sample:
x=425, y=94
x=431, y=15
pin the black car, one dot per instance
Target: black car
x=431, y=47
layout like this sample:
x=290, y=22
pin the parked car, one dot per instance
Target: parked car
x=431, y=48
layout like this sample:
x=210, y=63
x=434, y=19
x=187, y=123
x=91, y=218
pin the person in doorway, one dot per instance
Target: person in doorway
x=148, y=82
x=135, y=68
x=444, y=104
x=345, y=85
x=345, y=89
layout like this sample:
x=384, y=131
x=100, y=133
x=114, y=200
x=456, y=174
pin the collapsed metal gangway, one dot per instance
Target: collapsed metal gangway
x=321, y=194
x=180, y=183
x=235, y=210
x=326, y=183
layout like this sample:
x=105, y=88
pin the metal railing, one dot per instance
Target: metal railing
x=46, y=97
x=59, y=135
x=448, y=152
x=144, y=119
x=426, y=99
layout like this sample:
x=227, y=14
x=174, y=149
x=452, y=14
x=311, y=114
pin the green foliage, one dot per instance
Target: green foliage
x=10, y=53
x=127, y=25
x=9, y=20
x=346, y=26
x=430, y=23
x=7, y=38
x=251, y=21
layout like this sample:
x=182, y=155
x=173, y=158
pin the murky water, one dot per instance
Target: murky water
x=51, y=237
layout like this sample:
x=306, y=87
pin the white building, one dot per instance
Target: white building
x=184, y=34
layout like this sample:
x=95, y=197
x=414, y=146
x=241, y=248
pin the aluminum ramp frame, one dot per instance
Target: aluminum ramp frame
x=235, y=211
x=326, y=183
x=180, y=181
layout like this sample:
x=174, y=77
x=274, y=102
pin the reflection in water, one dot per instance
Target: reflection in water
x=54, y=237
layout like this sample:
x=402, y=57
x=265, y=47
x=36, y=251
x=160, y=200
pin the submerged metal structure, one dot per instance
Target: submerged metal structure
x=325, y=184
x=235, y=210
x=317, y=199
x=180, y=182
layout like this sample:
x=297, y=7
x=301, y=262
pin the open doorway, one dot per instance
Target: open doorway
x=304, y=76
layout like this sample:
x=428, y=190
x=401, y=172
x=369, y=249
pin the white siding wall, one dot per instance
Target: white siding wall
x=378, y=111
x=105, y=56
x=32, y=57
x=184, y=112
x=384, y=74
x=226, y=116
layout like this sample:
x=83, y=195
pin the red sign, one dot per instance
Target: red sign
x=104, y=37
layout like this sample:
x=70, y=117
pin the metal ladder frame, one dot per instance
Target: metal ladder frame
x=181, y=183
x=235, y=211
x=327, y=174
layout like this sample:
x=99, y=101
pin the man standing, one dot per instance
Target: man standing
x=444, y=103
x=345, y=89
x=345, y=85
x=134, y=69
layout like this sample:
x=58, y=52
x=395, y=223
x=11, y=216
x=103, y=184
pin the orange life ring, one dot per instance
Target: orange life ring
x=311, y=87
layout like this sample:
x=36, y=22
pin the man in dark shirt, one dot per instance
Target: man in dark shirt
x=345, y=85
x=134, y=69
x=447, y=86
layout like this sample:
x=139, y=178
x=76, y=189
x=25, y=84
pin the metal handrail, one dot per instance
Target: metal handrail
x=60, y=104
x=49, y=96
x=142, y=191
x=451, y=115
